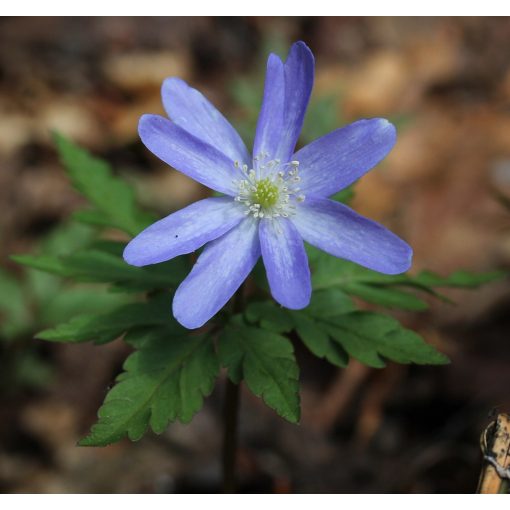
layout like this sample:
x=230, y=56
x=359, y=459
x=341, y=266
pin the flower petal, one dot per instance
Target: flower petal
x=338, y=230
x=286, y=262
x=270, y=121
x=189, y=109
x=184, y=231
x=218, y=273
x=299, y=74
x=286, y=95
x=187, y=153
x=336, y=160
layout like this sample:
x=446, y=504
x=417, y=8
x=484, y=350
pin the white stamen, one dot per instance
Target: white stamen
x=269, y=189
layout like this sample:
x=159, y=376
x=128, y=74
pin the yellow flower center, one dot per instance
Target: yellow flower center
x=269, y=190
x=266, y=193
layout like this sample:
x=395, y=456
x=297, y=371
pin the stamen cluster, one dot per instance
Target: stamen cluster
x=269, y=190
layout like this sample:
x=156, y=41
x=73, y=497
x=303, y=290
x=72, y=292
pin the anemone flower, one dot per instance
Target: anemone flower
x=272, y=202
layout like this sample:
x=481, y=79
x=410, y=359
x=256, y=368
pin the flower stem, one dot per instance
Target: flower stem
x=230, y=416
x=231, y=408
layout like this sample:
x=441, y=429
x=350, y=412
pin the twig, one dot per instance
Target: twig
x=495, y=444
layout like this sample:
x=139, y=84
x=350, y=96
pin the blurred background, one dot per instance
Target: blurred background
x=445, y=188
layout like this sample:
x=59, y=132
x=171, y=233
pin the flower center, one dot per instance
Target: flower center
x=270, y=189
x=266, y=193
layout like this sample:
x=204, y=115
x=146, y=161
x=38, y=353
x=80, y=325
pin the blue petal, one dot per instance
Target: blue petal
x=336, y=160
x=218, y=273
x=286, y=95
x=184, y=231
x=286, y=262
x=338, y=230
x=189, y=109
x=188, y=154
x=270, y=122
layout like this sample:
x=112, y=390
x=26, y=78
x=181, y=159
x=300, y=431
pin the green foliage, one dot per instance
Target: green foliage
x=345, y=195
x=321, y=118
x=310, y=324
x=332, y=328
x=107, y=327
x=113, y=199
x=266, y=363
x=33, y=299
x=372, y=337
x=166, y=380
x=94, y=265
x=13, y=310
x=388, y=297
x=173, y=369
x=389, y=291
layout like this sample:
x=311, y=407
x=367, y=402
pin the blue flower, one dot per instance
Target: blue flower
x=273, y=201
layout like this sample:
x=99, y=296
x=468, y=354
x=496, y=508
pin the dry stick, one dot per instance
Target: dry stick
x=338, y=396
x=495, y=444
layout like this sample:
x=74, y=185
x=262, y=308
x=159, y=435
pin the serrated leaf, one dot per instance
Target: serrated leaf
x=392, y=291
x=112, y=198
x=72, y=301
x=107, y=327
x=266, y=363
x=166, y=380
x=316, y=338
x=308, y=323
x=324, y=303
x=370, y=337
x=47, y=263
x=270, y=316
x=329, y=303
x=388, y=297
x=462, y=279
x=136, y=337
x=95, y=265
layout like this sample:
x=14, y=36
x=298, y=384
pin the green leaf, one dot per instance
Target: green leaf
x=107, y=327
x=31, y=370
x=14, y=312
x=307, y=322
x=112, y=198
x=321, y=118
x=392, y=291
x=388, y=297
x=315, y=336
x=78, y=299
x=67, y=238
x=460, y=279
x=47, y=263
x=329, y=272
x=329, y=303
x=370, y=337
x=166, y=380
x=270, y=316
x=310, y=327
x=94, y=265
x=265, y=360
x=345, y=196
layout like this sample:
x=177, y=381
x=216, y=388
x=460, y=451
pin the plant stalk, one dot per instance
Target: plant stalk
x=231, y=409
x=230, y=416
